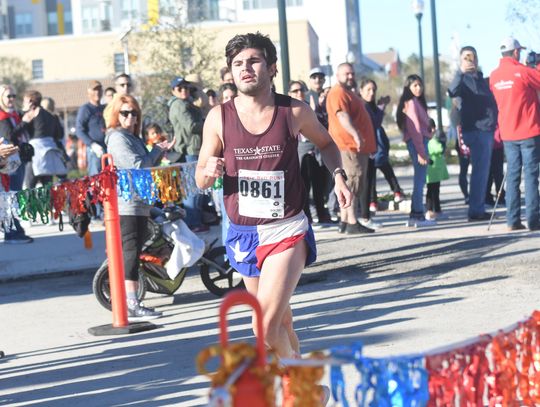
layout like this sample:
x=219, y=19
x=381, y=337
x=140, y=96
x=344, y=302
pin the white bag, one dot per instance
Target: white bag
x=187, y=250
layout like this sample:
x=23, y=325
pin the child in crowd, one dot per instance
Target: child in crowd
x=153, y=134
x=436, y=172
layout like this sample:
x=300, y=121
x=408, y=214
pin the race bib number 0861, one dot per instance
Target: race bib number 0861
x=261, y=194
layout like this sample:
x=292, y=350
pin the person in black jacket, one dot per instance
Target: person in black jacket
x=44, y=130
x=478, y=122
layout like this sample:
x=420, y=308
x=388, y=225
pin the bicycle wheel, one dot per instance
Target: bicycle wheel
x=219, y=278
x=101, y=287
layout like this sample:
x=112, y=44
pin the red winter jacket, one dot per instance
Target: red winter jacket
x=514, y=86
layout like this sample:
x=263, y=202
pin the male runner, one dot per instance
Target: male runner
x=252, y=141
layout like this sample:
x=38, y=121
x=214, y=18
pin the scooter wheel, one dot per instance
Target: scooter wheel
x=217, y=282
x=101, y=287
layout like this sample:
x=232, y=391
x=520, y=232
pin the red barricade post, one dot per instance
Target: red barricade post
x=249, y=389
x=113, y=238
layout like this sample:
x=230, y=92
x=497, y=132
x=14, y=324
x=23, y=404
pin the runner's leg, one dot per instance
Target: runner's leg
x=279, y=277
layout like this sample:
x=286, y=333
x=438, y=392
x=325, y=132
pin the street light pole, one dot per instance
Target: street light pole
x=284, y=44
x=436, y=70
x=418, y=9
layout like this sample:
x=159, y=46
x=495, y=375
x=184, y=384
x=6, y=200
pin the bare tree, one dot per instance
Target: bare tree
x=171, y=48
x=14, y=72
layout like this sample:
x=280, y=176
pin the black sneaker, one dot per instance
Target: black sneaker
x=342, y=227
x=138, y=313
x=480, y=218
x=18, y=239
x=357, y=229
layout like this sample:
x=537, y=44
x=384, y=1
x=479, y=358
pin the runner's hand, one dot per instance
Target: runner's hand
x=214, y=167
x=343, y=193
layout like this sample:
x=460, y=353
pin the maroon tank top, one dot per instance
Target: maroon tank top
x=262, y=181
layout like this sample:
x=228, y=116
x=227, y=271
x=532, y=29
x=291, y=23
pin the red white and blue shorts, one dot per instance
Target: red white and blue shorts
x=248, y=246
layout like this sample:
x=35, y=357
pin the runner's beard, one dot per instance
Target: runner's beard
x=250, y=89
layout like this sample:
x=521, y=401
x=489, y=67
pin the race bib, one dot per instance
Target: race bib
x=261, y=194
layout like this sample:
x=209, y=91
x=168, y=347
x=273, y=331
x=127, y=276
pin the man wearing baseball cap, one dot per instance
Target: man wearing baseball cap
x=187, y=123
x=514, y=86
x=90, y=126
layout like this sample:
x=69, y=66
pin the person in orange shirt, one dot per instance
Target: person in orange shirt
x=350, y=126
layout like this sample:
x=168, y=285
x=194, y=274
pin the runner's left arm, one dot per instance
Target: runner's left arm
x=211, y=163
x=306, y=122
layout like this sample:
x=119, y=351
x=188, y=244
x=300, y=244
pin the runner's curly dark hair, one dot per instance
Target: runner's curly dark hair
x=251, y=40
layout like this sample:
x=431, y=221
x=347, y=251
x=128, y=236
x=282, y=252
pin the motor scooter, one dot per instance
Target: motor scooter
x=216, y=273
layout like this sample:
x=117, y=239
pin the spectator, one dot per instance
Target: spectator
x=413, y=120
x=12, y=133
x=496, y=172
x=436, y=172
x=368, y=92
x=514, y=86
x=90, y=127
x=311, y=166
x=228, y=91
x=123, y=85
x=49, y=105
x=212, y=97
x=478, y=115
x=14, y=129
x=128, y=151
x=226, y=75
x=44, y=130
x=198, y=96
x=108, y=95
x=352, y=131
x=187, y=122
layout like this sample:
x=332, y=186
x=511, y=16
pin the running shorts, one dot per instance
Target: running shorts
x=248, y=246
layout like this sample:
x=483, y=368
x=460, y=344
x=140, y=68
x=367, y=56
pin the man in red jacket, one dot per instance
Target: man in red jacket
x=514, y=86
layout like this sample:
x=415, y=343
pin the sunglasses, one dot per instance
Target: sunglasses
x=296, y=90
x=126, y=113
x=11, y=96
x=125, y=85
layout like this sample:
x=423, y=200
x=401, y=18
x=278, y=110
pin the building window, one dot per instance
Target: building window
x=37, y=69
x=52, y=23
x=201, y=10
x=263, y=4
x=23, y=24
x=68, y=23
x=90, y=19
x=119, y=65
x=130, y=9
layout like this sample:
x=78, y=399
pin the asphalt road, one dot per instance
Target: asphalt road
x=399, y=291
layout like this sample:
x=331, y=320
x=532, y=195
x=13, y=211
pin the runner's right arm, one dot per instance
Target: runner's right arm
x=210, y=165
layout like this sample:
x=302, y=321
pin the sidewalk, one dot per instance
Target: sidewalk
x=51, y=252
x=54, y=252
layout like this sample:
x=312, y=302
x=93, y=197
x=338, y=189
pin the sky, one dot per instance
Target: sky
x=480, y=23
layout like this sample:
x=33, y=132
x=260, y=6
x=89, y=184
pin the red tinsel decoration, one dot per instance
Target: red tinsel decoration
x=515, y=355
x=458, y=376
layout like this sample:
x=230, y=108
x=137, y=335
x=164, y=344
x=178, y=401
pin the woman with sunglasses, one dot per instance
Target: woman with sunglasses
x=13, y=129
x=311, y=166
x=129, y=151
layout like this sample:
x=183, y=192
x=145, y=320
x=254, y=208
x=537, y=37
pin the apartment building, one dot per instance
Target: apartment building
x=67, y=42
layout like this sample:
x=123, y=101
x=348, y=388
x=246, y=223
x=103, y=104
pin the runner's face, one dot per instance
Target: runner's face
x=251, y=73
